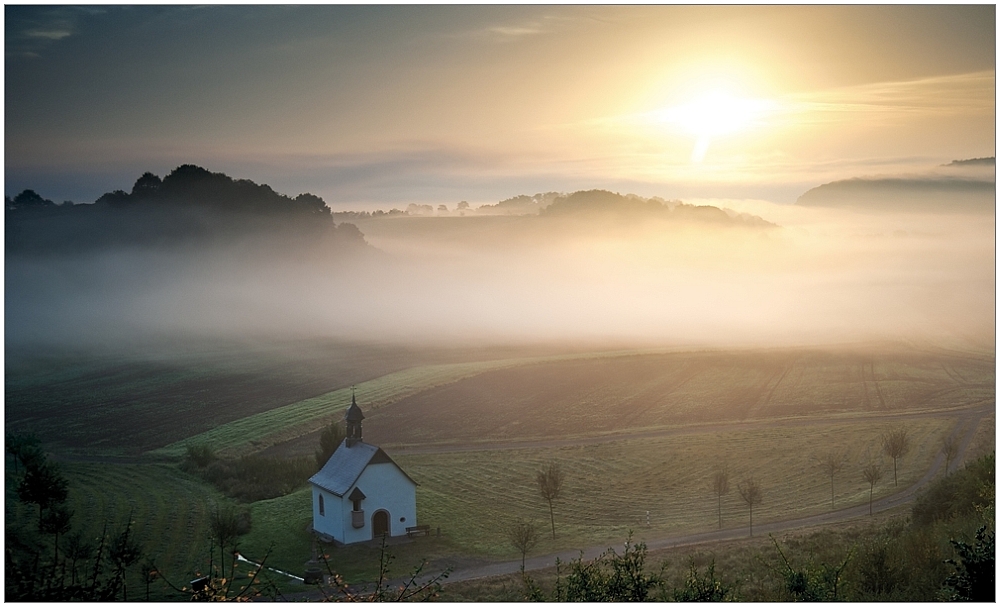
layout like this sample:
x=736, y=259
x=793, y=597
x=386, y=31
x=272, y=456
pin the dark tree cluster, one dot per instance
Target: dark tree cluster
x=189, y=205
x=28, y=199
x=250, y=478
x=192, y=185
x=329, y=439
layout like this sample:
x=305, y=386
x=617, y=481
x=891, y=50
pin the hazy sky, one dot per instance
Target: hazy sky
x=392, y=105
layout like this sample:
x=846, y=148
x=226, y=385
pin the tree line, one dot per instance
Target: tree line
x=190, y=204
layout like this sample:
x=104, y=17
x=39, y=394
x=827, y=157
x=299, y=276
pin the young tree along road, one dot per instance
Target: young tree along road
x=873, y=474
x=751, y=493
x=831, y=464
x=720, y=484
x=550, y=480
x=523, y=536
x=895, y=444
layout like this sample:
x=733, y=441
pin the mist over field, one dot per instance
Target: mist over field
x=703, y=273
x=713, y=285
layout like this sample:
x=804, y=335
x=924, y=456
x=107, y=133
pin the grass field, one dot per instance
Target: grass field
x=627, y=393
x=260, y=431
x=609, y=487
x=471, y=496
x=779, y=410
x=130, y=402
x=169, y=509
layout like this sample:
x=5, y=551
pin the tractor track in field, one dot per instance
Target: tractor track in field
x=763, y=402
x=878, y=389
x=955, y=375
x=689, y=372
x=864, y=386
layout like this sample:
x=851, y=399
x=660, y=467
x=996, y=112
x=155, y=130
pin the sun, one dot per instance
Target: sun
x=714, y=114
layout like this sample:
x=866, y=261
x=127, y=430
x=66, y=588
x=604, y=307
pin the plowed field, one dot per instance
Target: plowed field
x=626, y=393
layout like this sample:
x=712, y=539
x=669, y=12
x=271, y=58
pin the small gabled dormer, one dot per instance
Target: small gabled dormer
x=357, y=514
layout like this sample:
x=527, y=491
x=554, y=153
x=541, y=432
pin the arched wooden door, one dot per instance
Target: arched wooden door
x=380, y=524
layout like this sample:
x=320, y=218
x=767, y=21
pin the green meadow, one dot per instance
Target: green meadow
x=478, y=435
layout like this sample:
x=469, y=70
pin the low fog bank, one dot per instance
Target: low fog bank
x=811, y=276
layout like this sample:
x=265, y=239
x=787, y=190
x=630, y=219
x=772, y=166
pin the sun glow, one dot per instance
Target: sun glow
x=712, y=115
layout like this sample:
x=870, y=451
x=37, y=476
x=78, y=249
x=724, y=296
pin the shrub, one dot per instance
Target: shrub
x=253, y=478
x=703, y=588
x=200, y=455
x=609, y=577
x=975, y=575
x=958, y=494
x=880, y=573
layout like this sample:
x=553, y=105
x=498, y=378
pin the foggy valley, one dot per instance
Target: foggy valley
x=500, y=303
x=585, y=270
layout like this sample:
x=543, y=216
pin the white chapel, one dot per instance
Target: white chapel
x=360, y=493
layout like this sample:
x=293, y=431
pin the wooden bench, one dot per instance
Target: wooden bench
x=418, y=530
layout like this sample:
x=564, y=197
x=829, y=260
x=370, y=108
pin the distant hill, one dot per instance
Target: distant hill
x=991, y=161
x=964, y=186
x=602, y=202
x=191, y=205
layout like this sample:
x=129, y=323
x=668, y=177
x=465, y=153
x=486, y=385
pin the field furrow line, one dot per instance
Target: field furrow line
x=864, y=385
x=761, y=403
x=878, y=389
x=688, y=373
x=954, y=374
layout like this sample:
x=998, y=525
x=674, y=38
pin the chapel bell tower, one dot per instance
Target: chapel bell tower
x=354, y=417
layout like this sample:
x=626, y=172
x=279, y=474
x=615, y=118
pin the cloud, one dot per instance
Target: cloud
x=506, y=33
x=48, y=34
x=943, y=95
x=32, y=29
x=519, y=30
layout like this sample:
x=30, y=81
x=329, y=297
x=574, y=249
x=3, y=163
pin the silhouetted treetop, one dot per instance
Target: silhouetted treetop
x=189, y=206
x=602, y=201
x=28, y=199
x=191, y=185
x=148, y=184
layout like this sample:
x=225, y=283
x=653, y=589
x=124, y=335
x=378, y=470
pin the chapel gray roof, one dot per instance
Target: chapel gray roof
x=346, y=464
